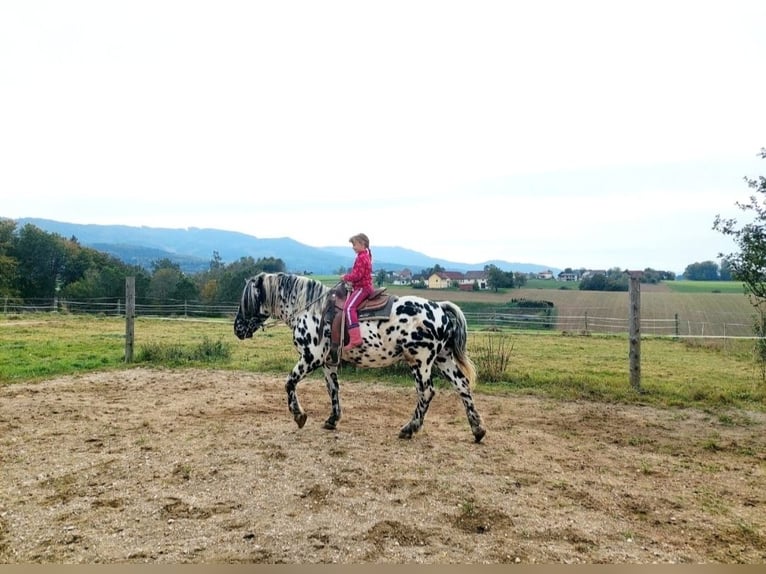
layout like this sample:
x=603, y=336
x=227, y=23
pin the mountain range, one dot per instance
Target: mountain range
x=193, y=248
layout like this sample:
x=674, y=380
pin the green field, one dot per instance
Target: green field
x=575, y=359
x=708, y=374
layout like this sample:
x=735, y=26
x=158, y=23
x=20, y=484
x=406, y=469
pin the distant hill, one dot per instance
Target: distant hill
x=193, y=249
x=416, y=261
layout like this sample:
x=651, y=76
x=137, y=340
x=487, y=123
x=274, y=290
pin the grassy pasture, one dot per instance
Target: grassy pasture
x=675, y=372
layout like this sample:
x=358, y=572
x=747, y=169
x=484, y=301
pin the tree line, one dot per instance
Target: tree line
x=35, y=264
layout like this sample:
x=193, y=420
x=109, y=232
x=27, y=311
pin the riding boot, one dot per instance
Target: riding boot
x=354, y=338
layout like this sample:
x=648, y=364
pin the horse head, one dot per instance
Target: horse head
x=250, y=315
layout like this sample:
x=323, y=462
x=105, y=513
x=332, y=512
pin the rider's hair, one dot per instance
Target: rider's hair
x=362, y=238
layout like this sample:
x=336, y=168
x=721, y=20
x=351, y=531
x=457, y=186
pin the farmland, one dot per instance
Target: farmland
x=666, y=309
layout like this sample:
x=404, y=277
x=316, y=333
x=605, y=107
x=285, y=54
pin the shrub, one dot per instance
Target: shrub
x=207, y=351
x=493, y=357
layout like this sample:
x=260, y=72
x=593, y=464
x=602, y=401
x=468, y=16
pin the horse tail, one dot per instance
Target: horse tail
x=458, y=341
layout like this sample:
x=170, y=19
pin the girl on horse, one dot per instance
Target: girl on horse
x=360, y=278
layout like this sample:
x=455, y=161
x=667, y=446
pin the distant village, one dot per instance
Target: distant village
x=473, y=280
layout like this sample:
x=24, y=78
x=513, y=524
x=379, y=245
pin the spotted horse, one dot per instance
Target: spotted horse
x=420, y=332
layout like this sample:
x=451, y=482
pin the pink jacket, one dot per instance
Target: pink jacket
x=361, y=273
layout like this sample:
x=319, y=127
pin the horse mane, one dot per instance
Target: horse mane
x=289, y=294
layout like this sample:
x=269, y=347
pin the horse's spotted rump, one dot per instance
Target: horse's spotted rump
x=420, y=332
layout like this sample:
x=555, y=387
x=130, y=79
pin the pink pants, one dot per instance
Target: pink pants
x=352, y=305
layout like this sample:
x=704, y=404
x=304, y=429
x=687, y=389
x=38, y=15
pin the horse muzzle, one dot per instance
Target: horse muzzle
x=244, y=328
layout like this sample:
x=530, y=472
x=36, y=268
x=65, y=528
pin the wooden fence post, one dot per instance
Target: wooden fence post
x=130, y=315
x=635, y=329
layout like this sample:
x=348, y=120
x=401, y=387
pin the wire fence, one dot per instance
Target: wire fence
x=116, y=307
x=738, y=326
x=676, y=326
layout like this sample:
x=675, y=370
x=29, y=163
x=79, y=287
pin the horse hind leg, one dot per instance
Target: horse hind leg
x=426, y=392
x=449, y=367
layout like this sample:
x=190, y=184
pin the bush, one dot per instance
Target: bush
x=207, y=351
x=493, y=357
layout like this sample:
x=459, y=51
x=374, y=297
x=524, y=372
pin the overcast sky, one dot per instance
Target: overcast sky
x=571, y=134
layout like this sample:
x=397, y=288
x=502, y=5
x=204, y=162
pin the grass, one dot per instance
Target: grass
x=675, y=373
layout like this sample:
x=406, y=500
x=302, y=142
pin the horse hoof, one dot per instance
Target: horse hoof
x=329, y=425
x=479, y=434
x=405, y=433
x=301, y=419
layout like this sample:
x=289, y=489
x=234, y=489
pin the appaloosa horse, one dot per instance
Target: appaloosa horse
x=420, y=332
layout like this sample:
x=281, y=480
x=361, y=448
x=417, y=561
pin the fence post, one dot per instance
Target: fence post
x=635, y=329
x=678, y=326
x=130, y=313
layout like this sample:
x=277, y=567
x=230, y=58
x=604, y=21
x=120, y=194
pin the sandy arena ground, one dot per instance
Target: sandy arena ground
x=201, y=466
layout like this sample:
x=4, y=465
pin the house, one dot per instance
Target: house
x=477, y=277
x=566, y=276
x=444, y=279
x=403, y=277
x=464, y=281
x=545, y=274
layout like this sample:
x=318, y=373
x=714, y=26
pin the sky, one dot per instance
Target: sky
x=592, y=134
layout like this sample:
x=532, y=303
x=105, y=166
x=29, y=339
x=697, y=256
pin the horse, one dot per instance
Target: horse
x=420, y=332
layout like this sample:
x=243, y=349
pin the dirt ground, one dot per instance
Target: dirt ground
x=201, y=466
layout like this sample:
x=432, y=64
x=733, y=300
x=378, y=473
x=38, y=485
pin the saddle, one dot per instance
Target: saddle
x=376, y=307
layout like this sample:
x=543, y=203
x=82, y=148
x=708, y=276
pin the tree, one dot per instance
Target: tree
x=164, y=283
x=497, y=278
x=40, y=257
x=186, y=290
x=595, y=282
x=381, y=277
x=165, y=263
x=749, y=263
x=725, y=273
x=8, y=264
x=702, y=271
x=614, y=280
x=233, y=278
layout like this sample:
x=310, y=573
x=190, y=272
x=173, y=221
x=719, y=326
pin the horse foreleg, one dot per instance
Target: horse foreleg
x=331, y=381
x=292, y=397
x=425, y=394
